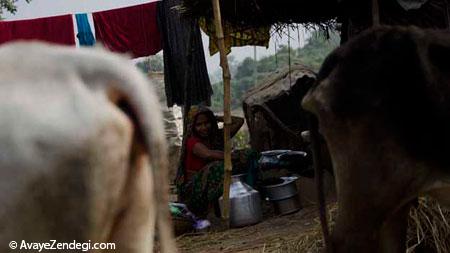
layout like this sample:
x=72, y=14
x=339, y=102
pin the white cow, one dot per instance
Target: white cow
x=82, y=150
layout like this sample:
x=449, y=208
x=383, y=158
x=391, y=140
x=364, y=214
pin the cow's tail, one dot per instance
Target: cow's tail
x=318, y=171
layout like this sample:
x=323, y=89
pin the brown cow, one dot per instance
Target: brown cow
x=82, y=151
x=382, y=101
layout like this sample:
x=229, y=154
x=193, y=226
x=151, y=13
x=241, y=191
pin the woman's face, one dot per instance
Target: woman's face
x=202, y=126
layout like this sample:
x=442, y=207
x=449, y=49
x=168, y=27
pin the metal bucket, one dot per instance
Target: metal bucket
x=287, y=206
x=283, y=194
x=241, y=177
x=245, y=203
x=280, y=188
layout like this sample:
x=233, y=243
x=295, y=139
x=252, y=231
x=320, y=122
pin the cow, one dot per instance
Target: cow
x=382, y=103
x=82, y=151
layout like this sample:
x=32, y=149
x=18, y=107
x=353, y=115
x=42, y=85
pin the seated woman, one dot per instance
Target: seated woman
x=200, y=176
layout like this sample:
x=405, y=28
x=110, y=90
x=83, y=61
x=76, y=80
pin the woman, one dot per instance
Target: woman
x=200, y=176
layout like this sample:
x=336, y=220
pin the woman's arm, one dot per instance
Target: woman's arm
x=202, y=151
x=236, y=124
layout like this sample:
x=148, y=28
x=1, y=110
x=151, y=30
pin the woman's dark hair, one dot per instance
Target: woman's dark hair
x=215, y=138
x=212, y=120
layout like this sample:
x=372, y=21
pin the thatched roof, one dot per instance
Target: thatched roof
x=323, y=13
x=267, y=12
x=278, y=84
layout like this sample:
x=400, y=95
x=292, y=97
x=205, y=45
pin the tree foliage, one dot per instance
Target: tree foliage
x=9, y=5
x=152, y=63
x=317, y=47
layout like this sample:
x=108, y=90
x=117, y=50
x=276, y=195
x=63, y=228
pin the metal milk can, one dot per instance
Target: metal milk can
x=245, y=203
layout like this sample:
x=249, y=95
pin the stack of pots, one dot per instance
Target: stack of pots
x=283, y=194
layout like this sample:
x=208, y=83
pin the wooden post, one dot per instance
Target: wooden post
x=226, y=111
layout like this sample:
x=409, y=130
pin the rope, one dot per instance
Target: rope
x=289, y=57
x=255, y=71
x=276, y=54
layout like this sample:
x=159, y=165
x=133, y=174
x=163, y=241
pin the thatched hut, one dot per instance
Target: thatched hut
x=272, y=109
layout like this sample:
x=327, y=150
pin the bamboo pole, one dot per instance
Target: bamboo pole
x=226, y=111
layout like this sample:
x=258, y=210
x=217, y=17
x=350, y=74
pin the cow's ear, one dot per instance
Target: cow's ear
x=125, y=104
x=128, y=88
x=142, y=107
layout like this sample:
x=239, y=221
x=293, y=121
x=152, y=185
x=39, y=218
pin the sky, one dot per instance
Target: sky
x=46, y=8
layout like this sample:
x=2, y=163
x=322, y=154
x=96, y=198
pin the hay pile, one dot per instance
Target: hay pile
x=428, y=231
x=429, y=227
x=299, y=232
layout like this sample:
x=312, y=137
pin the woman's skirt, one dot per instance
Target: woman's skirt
x=205, y=187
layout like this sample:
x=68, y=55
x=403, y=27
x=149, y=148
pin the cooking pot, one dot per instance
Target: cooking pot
x=283, y=194
x=298, y=162
x=287, y=206
x=280, y=188
x=271, y=159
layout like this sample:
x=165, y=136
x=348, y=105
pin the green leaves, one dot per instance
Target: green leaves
x=9, y=5
x=243, y=73
x=154, y=63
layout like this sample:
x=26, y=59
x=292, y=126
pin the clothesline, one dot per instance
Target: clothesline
x=139, y=30
x=131, y=29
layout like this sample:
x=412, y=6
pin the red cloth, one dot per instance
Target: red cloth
x=132, y=29
x=193, y=162
x=58, y=29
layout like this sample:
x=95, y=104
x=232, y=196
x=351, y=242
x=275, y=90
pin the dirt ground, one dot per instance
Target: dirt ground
x=289, y=233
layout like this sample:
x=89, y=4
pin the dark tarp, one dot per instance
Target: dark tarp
x=185, y=73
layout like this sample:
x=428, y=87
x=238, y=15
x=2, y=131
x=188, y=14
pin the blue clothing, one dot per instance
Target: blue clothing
x=85, y=36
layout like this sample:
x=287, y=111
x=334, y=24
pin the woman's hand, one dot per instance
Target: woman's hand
x=235, y=155
x=236, y=123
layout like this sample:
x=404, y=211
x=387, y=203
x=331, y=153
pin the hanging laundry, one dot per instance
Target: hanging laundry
x=235, y=36
x=185, y=73
x=84, y=35
x=129, y=30
x=57, y=29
